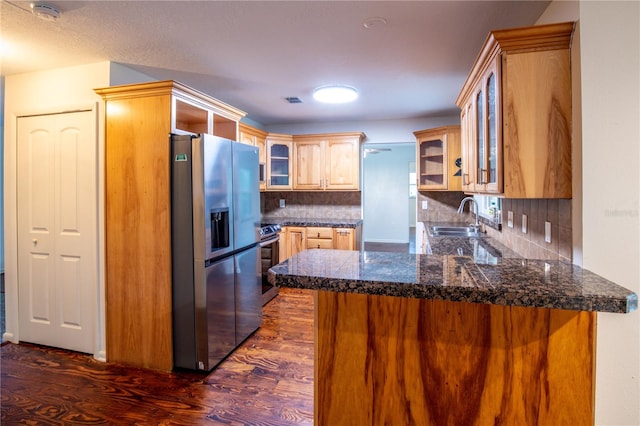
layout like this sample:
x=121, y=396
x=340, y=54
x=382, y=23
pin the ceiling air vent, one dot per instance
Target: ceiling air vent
x=294, y=100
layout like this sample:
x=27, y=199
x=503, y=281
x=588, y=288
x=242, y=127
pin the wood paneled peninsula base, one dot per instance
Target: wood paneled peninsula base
x=443, y=340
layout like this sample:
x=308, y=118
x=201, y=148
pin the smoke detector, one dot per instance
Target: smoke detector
x=45, y=11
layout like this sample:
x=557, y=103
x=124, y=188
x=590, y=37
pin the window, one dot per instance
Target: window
x=490, y=207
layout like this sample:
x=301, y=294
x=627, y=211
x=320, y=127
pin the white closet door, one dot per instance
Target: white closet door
x=57, y=232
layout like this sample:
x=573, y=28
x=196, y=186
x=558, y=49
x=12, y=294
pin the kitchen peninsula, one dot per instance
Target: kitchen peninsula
x=452, y=339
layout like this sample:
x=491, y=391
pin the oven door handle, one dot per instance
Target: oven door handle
x=269, y=241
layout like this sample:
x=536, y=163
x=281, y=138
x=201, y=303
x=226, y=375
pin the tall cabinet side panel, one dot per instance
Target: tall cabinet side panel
x=138, y=232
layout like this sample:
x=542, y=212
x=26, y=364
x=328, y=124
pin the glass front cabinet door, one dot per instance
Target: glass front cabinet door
x=279, y=156
x=439, y=159
x=488, y=153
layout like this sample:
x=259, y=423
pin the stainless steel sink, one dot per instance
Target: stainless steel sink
x=455, y=231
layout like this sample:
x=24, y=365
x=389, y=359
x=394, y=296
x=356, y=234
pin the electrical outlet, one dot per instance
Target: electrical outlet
x=282, y=204
x=547, y=232
x=524, y=223
x=425, y=204
x=510, y=219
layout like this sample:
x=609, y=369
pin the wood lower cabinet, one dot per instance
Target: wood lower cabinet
x=516, y=114
x=346, y=238
x=294, y=239
x=327, y=161
x=439, y=159
x=321, y=238
x=138, y=297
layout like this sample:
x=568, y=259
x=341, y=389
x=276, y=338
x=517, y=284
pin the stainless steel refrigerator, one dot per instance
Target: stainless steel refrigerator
x=215, y=219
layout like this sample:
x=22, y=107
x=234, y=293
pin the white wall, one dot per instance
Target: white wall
x=377, y=131
x=610, y=52
x=385, y=194
x=606, y=206
x=2, y=175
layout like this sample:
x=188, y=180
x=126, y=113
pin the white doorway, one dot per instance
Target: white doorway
x=386, y=193
x=57, y=229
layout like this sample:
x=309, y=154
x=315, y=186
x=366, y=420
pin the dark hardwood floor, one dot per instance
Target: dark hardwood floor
x=267, y=381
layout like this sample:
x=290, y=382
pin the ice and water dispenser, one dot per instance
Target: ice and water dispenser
x=219, y=228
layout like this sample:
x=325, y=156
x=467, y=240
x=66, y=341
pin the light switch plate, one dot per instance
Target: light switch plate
x=524, y=223
x=282, y=203
x=547, y=232
x=510, y=219
x=425, y=204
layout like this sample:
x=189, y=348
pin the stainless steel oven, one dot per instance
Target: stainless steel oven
x=269, y=255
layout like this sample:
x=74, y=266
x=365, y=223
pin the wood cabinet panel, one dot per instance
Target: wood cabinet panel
x=342, y=157
x=251, y=136
x=319, y=232
x=295, y=240
x=138, y=231
x=344, y=239
x=392, y=360
x=320, y=243
x=308, y=164
x=537, y=158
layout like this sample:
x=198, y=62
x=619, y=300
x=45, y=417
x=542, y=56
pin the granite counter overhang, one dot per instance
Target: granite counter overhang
x=511, y=282
x=319, y=222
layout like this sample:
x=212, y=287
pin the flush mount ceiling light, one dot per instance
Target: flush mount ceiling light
x=45, y=11
x=373, y=22
x=336, y=94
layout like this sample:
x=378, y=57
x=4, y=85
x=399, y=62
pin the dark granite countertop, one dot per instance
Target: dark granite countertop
x=461, y=278
x=322, y=222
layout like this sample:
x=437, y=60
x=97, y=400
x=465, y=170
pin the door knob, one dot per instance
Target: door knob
x=35, y=242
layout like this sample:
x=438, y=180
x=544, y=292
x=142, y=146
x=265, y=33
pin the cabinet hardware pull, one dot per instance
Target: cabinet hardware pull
x=482, y=176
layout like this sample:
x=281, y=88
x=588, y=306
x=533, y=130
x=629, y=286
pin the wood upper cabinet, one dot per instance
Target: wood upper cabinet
x=138, y=120
x=279, y=161
x=516, y=114
x=327, y=161
x=258, y=138
x=439, y=159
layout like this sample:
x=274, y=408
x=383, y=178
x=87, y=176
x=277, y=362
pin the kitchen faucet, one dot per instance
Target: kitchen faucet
x=475, y=207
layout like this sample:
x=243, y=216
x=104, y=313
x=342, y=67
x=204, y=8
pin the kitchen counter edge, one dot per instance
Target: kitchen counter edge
x=325, y=270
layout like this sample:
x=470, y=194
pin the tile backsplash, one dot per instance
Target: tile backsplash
x=321, y=204
x=532, y=244
x=442, y=207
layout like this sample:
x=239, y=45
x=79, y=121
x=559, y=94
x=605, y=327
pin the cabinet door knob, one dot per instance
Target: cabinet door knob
x=318, y=245
x=35, y=242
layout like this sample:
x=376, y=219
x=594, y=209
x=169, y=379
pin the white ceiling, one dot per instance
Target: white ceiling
x=253, y=54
